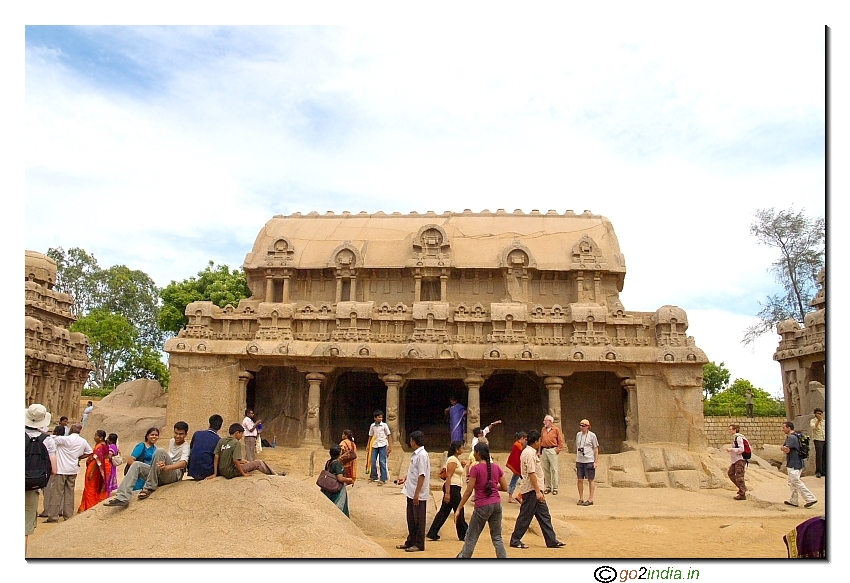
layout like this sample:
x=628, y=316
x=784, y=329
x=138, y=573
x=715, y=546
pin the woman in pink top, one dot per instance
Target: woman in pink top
x=486, y=480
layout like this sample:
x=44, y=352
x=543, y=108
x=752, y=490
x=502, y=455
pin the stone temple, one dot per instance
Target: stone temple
x=56, y=362
x=517, y=315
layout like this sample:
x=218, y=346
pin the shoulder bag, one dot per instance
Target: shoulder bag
x=328, y=482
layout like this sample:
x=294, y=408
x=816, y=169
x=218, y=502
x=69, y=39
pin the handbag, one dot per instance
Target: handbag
x=348, y=456
x=328, y=482
x=117, y=460
x=443, y=475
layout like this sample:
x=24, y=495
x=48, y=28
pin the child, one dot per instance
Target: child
x=228, y=460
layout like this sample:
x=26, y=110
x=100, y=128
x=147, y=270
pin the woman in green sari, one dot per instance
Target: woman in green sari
x=335, y=467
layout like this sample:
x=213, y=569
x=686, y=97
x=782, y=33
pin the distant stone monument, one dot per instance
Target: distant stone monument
x=518, y=315
x=801, y=355
x=56, y=360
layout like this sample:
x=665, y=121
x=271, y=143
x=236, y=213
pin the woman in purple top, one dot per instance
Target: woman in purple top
x=486, y=480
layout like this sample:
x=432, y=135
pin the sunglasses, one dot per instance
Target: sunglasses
x=583, y=425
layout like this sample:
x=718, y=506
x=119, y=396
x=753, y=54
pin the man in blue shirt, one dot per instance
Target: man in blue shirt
x=201, y=449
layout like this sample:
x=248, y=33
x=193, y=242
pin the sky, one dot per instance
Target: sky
x=164, y=147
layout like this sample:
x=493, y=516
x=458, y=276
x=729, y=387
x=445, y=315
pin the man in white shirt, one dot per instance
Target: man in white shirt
x=36, y=419
x=166, y=467
x=480, y=432
x=70, y=449
x=417, y=492
x=381, y=447
x=251, y=433
x=533, y=499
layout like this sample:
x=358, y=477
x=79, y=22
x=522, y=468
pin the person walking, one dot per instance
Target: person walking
x=738, y=464
x=513, y=463
x=551, y=444
x=818, y=427
x=587, y=459
x=533, y=499
x=486, y=479
x=794, y=463
x=451, y=495
x=415, y=488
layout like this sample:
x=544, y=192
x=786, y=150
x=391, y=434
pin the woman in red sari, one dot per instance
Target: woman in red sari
x=98, y=468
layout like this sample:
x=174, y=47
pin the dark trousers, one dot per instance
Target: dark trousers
x=749, y=409
x=820, y=462
x=532, y=508
x=443, y=514
x=416, y=524
x=736, y=474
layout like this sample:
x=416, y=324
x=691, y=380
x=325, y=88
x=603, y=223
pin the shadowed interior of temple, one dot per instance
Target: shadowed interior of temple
x=424, y=403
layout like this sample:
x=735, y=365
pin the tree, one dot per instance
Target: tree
x=732, y=401
x=112, y=339
x=800, y=242
x=715, y=378
x=217, y=284
x=78, y=275
x=118, y=308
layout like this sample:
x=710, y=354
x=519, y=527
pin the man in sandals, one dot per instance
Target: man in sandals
x=166, y=467
x=587, y=456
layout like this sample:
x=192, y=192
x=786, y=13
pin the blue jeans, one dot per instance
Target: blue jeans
x=513, y=484
x=379, y=452
x=488, y=514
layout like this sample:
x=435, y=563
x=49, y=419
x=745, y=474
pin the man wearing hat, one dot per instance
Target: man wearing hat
x=36, y=421
x=587, y=456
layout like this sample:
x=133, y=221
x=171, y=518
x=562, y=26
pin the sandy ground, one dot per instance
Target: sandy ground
x=623, y=523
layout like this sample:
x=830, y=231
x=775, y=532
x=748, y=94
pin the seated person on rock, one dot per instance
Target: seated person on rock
x=167, y=467
x=202, y=449
x=228, y=460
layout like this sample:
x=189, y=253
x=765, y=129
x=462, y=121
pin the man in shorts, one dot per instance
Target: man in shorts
x=587, y=454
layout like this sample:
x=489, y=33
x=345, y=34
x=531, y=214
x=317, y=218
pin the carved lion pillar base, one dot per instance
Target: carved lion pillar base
x=473, y=382
x=313, y=435
x=393, y=381
x=554, y=385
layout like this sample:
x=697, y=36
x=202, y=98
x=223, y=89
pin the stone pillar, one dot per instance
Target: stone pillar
x=353, y=280
x=393, y=381
x=630, y=406
x=473, y=382
x=417, y=290
x=554, y=385
x=444, y=281
x=285, y=298
x=313, y=436
x=244, y=377
x=338, y=289
x=269, y=287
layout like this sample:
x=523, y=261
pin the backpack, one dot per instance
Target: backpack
x=748, y=453
x=37, y=464
x=803, y=452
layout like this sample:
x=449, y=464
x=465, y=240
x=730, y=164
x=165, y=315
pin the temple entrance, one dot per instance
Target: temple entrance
x=424, y=403
x=355, y=396
x=278, y=395
x=600, y=398
x=519, y=400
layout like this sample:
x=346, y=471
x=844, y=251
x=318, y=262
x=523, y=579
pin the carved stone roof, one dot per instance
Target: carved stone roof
x=461, y=240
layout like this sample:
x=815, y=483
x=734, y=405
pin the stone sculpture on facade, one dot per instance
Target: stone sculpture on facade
x=56, y=362
x=517, y=314
x=801, y=355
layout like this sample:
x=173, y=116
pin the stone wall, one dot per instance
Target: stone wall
x=758, y=430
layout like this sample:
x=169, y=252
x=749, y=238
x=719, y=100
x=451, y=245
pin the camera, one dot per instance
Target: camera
x=580, y=451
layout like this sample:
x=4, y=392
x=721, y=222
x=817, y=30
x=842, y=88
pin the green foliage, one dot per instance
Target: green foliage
x=100, y=393
x=800, y=242
x=217, y=284
x=732, y=401
x=715, y=378
x=118, y=309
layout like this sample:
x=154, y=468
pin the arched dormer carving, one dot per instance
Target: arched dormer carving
x=280, y=251
x=345, y=257
x=586, y=255
x=517, y=256
x=431, y=241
